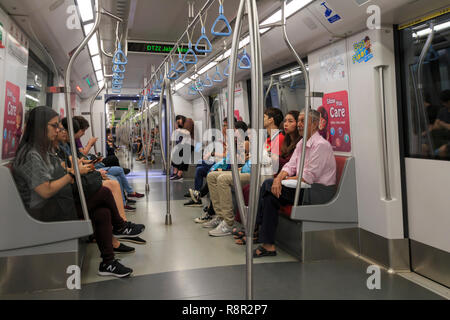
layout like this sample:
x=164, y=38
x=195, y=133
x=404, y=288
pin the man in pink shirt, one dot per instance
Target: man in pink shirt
x=319, y=171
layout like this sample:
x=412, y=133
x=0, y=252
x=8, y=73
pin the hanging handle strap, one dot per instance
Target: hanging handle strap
x=221, y=17
x=180, y=66
x=117, y=60
x=244, y=62
x=190, y=51
x=208, y=43
x=118, y=76
x=207, y=83
x=217, y=77
x=226, y=70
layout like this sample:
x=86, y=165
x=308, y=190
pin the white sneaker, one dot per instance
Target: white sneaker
x=203, y=218
x=195, y=195
x=223, y=229
x=213, y=223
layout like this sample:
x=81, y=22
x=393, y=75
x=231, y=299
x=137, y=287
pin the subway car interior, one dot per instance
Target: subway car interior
x=188, y=119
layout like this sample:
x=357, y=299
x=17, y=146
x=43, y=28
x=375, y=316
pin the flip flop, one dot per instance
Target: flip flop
x=243, y=241
x=263, y=253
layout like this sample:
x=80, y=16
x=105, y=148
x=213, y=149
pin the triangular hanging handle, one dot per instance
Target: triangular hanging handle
x=119, y=68
x=207, y=83
x=117, y=82
x=117, y=60
x=208, y=43
x=244, y=59
x=217, y=77
x=180, y=66
x=227, y=24
x=118, y=76
x=226, y=70
x=190, y=51
x=173, y=74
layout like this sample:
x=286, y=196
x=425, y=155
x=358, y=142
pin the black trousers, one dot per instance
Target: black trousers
x=105, y=217
x=111, y=161
x=269, y=205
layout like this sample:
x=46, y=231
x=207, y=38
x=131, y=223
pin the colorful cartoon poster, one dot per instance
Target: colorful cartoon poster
x=335, y=121
x=12, y=121
x=363, y=51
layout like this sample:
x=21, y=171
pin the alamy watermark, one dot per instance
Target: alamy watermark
x=74, y=280
x=374, y=20
x=374, y=280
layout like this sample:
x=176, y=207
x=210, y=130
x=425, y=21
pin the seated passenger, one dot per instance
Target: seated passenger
x=203, y=168
x=285, y=151
x=111, y=161
x=219, y=183
x=111, y=183
x=46, y=190
x=114, y=172
x=319, y=171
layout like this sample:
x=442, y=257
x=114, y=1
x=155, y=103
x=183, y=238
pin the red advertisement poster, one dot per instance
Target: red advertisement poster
x=12, y=121
x=61, y=113
x=335, y=120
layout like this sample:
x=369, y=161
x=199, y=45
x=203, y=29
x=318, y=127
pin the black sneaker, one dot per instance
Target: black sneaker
x=192, y=203
x=114, y=268
x=124, y=249
x=130, y=230
x=187, y=194
x=126, y=170
x=131, y=201
x=136, y=240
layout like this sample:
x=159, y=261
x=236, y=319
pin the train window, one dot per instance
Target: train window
x=426, y=89
x=37, y=80
x=285, y=90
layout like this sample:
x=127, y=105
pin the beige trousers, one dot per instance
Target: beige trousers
x=219, y=184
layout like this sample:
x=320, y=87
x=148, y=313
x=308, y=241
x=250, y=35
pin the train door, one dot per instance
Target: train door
x=424, y=53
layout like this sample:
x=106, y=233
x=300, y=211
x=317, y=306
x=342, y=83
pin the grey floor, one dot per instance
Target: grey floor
x=182, y=261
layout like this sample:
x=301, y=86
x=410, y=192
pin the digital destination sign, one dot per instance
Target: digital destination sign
x=153, y=47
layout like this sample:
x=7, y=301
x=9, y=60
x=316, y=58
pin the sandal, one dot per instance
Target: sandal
x=238, y=233
x=243, y=241
x=263, y=253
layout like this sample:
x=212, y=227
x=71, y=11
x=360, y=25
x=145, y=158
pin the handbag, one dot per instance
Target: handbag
x=92, y=182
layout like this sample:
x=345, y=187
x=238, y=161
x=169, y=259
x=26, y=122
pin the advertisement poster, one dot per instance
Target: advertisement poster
x=12, y=121
x=335, y=121
x=363, y=51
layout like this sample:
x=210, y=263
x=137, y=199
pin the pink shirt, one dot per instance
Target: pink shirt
x=320, y=164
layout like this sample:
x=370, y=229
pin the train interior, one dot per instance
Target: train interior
x=378, y=69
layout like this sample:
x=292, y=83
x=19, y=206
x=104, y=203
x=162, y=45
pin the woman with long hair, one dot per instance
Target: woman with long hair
x=46, y=190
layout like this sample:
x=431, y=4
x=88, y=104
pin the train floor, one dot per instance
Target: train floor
x=182, y=261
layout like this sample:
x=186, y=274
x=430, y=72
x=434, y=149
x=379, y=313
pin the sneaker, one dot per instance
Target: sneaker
x=124, y=249
x=213, y=223
x=130, y=201
x=195, y=195
x=136, y=240
x=126, y=170
x=172, y=176
x=204, y=218
x=136, y=195
x=114, y=268
x=130, y=230
x=177, y=178
x=192, y=203
x=129, y=208
x=223, y=229
x=187, y=194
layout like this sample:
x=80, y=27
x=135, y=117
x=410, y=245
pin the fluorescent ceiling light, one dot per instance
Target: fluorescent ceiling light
x=99, y=75
x=93, y=45
x=101, y=83
x=178, y=86
x=32, y=98
x=290, y=74
x=87, y=28
x=244, y=42
x=208, y=66
x=86, y=12
x=291, y=8
x=97, y=63
x=427, y=31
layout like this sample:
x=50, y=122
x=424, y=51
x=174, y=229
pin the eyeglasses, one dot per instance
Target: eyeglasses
x=54, y=125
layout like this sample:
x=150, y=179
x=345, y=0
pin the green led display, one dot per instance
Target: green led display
x=160, y=48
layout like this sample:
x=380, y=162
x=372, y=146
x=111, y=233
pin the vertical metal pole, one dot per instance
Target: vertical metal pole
x=387, y=186
x=168, y=140
x=147, y=129
x=91, y=114
x=307, y=102
x=69, y=109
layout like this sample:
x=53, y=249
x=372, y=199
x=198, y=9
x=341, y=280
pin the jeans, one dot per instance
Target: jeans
x=200, y=173
x=117, y=172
